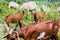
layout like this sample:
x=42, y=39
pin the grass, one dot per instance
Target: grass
x=4, y=11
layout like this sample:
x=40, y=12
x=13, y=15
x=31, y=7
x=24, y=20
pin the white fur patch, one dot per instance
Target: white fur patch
x=51, y=25
x=41, y=35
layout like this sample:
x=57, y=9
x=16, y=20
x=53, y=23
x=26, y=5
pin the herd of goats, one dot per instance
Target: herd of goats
x=39, y=30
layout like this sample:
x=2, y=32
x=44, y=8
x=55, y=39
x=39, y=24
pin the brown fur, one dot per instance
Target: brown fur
x=38, y=17
x=33, y=30
x=14, y=18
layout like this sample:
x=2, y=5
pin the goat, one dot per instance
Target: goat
x=13, y=5
x=34, y=31
x=29, y=6
x=14, y=18
x=38, y=17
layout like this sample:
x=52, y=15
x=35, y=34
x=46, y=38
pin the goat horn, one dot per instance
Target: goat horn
x=10, y=32
x=6, y=26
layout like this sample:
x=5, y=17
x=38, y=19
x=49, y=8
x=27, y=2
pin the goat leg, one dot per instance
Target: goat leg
x=56, y=37
x=20, y=23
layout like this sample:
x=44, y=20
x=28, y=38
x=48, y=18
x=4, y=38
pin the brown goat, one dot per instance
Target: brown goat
x=14, y=18
x=38, y=17
x=35, y=30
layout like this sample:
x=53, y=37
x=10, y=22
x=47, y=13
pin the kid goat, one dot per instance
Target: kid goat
x=38, y=17
x=14, y=18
